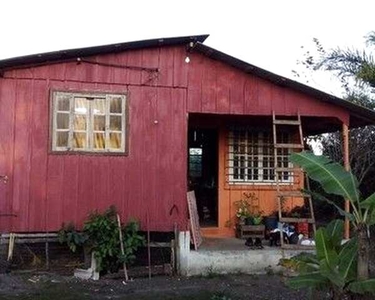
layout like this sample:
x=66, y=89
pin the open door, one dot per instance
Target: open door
x=203, y=173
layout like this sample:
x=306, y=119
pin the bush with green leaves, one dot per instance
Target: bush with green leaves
x=72, y=237
x=333, y=267
x=100, y=235
x=334, y=179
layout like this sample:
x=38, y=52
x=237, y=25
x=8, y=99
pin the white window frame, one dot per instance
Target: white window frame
x=253, y=152
x=90, y=97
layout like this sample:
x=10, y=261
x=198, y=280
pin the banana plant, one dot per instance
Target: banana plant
x=334, y=179
x=332, y=267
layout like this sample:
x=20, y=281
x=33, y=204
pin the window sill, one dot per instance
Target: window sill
x=90, y=153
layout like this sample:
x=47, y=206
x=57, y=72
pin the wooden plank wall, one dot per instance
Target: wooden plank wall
x=47, y=189
x=215, y=87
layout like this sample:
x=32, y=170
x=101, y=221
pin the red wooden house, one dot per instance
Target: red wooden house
x=137, y=124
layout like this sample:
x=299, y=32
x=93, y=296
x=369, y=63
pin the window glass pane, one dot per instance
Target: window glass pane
x=62, y=139
x=242, y=167
x=99, y=106
x=99, y=141
x=115, y=105
x=99, y=123
x=62, y=121
x=235, y=167
x=115, y=140
x=256, y=168
x=80, y=122
x=79, y=140
x=115, y=123
x=195, y=162
x=81, y=105
x=63, y=103
x=88, y=121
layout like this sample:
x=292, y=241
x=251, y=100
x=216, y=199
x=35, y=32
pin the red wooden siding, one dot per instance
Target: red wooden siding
x=47, y=189
x=215, y=87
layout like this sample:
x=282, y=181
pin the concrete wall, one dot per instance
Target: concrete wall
x=206, y=262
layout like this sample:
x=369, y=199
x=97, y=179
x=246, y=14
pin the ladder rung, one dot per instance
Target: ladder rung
x=293, y=146
x=297, y=220
x=286, y=122
x=291, y=194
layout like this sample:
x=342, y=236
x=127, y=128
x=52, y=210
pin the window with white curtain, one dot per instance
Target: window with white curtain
x=251, y=156
x=88, y=122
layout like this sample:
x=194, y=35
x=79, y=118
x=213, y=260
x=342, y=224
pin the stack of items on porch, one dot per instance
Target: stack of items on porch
x=293, y=234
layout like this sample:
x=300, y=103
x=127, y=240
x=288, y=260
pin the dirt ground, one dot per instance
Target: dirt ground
x=44, y=285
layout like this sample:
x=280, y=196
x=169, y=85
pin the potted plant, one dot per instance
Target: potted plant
x=257, y=218
x=242, y=211
x=246, y=212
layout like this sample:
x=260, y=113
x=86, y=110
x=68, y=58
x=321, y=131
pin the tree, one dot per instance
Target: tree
x=334, y=179
x=355, y=69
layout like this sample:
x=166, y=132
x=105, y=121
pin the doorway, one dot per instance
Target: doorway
x=203, y=173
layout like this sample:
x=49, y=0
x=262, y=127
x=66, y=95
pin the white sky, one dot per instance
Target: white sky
x=268, y=34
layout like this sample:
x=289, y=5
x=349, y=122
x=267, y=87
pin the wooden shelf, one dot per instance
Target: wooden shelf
x=250, y=231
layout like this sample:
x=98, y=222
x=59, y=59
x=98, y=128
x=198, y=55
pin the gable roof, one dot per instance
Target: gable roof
x=49, y=57
x=359, y=115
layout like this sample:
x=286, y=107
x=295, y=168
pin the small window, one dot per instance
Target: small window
x=251, y=157
x=88, y=122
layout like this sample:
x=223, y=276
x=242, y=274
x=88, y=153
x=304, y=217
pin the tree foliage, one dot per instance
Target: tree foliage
x=355, y=69
x=341, y=268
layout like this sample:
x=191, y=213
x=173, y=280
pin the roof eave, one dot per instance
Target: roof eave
x=359, y=115
x=61, y=55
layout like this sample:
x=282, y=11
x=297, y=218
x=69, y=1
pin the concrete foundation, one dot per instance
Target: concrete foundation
x=228, y=256
x=90, y=273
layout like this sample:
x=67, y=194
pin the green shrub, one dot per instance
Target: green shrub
x=69, y=235
x=101, y=235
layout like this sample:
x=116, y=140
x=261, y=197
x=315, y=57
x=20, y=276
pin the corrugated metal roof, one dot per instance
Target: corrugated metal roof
x=61, y=55
x=359, y=115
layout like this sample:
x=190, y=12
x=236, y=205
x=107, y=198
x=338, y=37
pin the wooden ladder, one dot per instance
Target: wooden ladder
x=281, y=170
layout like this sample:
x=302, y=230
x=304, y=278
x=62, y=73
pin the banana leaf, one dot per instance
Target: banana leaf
x=362, y=287
x=335, y=232
x=369, y=202
x=311, y=280
x=332, y=176
x=342, y=212
x=371, y=218
x=348, y=260
x=304, y=263
x=324, y=248
x=331, y=273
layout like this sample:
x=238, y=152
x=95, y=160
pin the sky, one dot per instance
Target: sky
x=268, y=34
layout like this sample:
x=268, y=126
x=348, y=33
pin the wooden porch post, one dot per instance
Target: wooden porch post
x=345, y=136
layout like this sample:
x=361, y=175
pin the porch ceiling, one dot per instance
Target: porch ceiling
x=310, y=125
